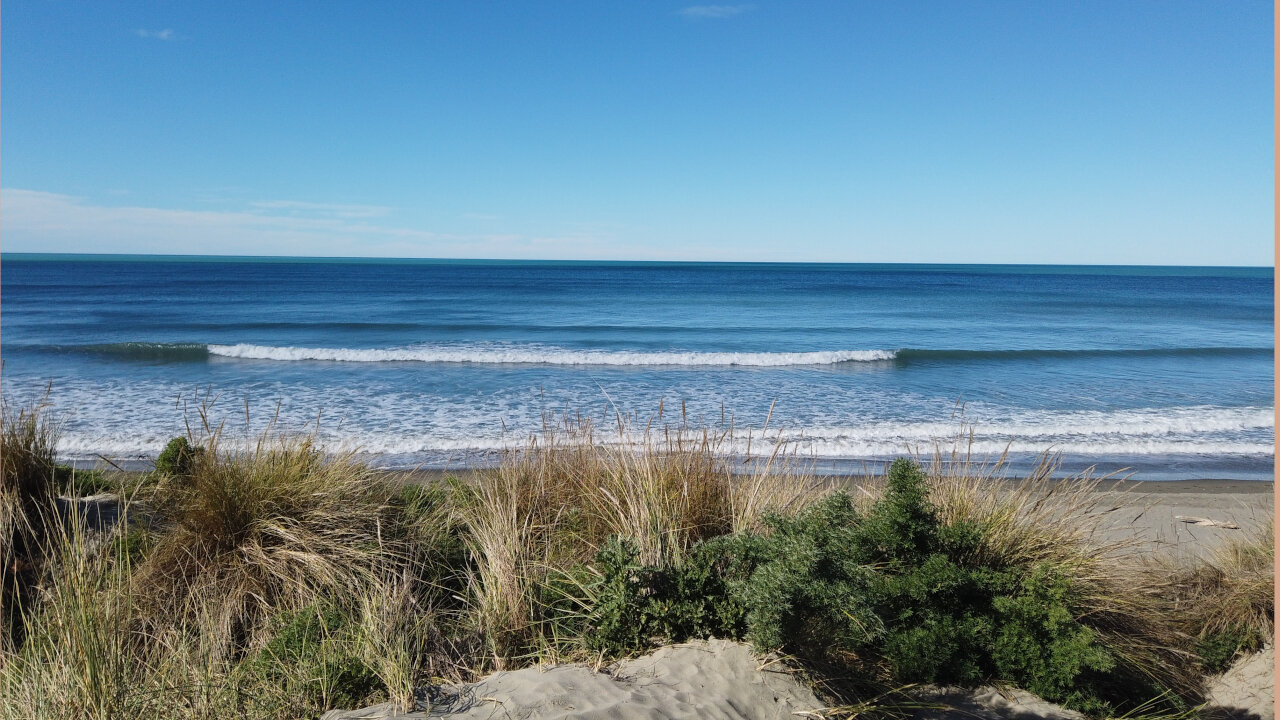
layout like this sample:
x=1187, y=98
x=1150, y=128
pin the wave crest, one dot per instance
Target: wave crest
x=549, y=356
x=533, y=354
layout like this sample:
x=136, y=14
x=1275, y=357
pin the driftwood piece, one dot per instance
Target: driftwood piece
x=1206, y=522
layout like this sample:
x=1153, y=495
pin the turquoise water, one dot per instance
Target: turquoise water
x=1166, y=370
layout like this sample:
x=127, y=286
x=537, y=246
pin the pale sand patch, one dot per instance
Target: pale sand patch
x=722, y=680
x=1152, y=516
x=1246, y=691
x=717, y=680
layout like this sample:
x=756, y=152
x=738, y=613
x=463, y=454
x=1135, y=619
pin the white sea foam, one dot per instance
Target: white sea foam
x=853, y=445
x=546, y=355
x=135, y=419
x=1221, y=432
x=1166, y=423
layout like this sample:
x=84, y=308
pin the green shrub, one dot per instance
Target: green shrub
x=312, y=654
x=178, y=457
x=892, y=587
x=1042, y=645
x=809, y=590
x=637, y=605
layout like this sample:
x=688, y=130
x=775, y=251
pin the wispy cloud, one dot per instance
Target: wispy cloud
x=165, y=34
x=36, y=221
x=298, y=207
x=713, y=12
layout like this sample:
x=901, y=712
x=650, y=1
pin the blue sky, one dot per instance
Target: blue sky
x=1041, y=132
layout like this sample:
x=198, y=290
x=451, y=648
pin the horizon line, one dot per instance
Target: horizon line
x=377, y=258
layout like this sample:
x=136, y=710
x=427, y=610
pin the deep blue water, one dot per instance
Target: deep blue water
x=1168, y=370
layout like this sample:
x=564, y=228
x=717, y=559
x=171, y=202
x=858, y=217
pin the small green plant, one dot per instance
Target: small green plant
x=178, y=457
x=1218, y=649
x=82, y=483
x=313, y=654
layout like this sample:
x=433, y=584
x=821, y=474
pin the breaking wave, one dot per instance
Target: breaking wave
x=536, y=355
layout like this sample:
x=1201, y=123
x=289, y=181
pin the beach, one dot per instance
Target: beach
x=648, y=360
x=1156, y=514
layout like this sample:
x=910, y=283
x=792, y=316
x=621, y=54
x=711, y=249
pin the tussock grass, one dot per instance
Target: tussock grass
x=1032, y=519
x=508, y=524
x=182, y=617
x=87, y=654
x=28, y=488
x=78, y=657
x=1226, y=600
x=253, y=531
x=551, y=505
x=28, y=438
x=1234, y=586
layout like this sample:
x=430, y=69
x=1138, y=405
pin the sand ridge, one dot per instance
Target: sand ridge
x=723, y=680
x=715, y=680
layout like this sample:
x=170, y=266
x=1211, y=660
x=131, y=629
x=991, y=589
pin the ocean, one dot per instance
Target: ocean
x=1168, y=372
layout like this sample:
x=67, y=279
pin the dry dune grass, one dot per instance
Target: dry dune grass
x=1232, y=590
x=28, y=440
x=252, y=531
x=91, y=651
x=551, y=505
x=173, y=612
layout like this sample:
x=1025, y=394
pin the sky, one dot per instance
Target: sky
x=1079, y=132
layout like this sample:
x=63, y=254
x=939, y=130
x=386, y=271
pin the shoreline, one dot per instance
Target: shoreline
x=1223, y=486
x=1248, y=482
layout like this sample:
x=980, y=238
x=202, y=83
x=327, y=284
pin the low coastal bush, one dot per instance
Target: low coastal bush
x=178, y=457
x=636, y=606
x=891, y=586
